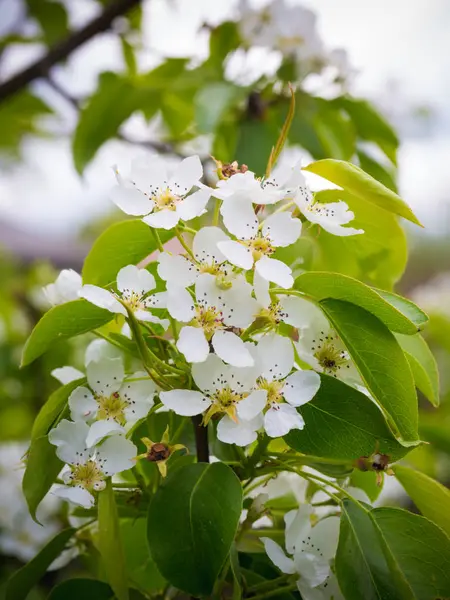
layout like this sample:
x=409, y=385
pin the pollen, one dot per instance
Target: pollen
x=209, y=318
x=166, y=199
x=87, y=476
x=274, y=390
x=112, y=407
x=331, y=357
x=260, y=246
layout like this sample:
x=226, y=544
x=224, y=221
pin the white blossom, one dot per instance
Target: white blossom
x=184, y=271
x=283, y=182
x=312, y=550
x=255, y=243
x=285, y=391
x=87, y=467
x=112, y=400
x=223, y=390
x=97, y=350
x=321, y=348
x=133, y=286
x=210, y=317
x=64, y=289
x=332, y=216
x=161, y=196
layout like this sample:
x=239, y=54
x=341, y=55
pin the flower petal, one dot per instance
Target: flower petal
x=298, y=527
x=325, y=536
x=261, y=287
x=69, y=437
x=132, y=279
x=102, y=298
x=239, y=217
x=162, y=219
x=277, y=556
x=194, y=205
x=131, y=200
x=101, y=429
x=303, y=314
x=186, y=403
x=66, y=374
x=280, y=419
x=238, y=307
x=252, y=406
x=274, y=357
x=241, y=434
x=192, y=343
x=205, y=243
x=282, y=229
x=237, y=254
x=276, y=271
x=99, y=350
x=76, y=495
x=180, y=304
x=210, y=375
x=83, y=406
x=312, y=567
x=231, y=349
x=105, y=376
x=301, y=387
x=115, y=455
x=140, y=396
x=176, y=269
x=186, y=175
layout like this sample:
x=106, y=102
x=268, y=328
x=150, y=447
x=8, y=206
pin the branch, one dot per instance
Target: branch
x=201, y=439
x=64, y=48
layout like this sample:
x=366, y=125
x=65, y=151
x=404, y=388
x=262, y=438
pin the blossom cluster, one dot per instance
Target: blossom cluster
x=247, y=348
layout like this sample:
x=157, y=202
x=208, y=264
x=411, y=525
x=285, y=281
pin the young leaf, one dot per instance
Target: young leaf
x=423, y=365
x=360, y=184
x=430, y=496
x=87, y=589
x=410, y=310
x=340, y=287
x=53, y=408
x=381, y=363
x=122, y=244
x=62, y=322
x=343, y=423
x=42, y=468
x=23, y=580
x=110, y=543
x=192, y=522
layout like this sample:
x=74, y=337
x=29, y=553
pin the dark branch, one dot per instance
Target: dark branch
x=63, y=49
x=201, y=439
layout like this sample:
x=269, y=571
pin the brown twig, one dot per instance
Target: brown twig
x=201, y=439
x=64, y=48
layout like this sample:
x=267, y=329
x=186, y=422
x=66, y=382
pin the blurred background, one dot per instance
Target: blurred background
x=174, y=77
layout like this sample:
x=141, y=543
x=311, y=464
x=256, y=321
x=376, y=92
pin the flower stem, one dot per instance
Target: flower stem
x=216, y=215
x=183, y=242
x=259, y=587
x=157, y=239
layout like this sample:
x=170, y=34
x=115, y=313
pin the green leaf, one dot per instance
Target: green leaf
x=87, y=589
x=223, y=40
x=141, y=568
x=354, y=180
x=340, y=287
x=122, y=244
x=255, y=142
x=423, y=365
x=53, y=408
x=377, y=257
x=213, y=101
x=406, y=307
x=364, y=567
x=62, y=322
x=52, y=18
x=192, y=522
x=371, y=125
x=335, y=131
x=414, y=541
x=430, y=496
x=114, y=100
x=110, y=543
x=23, y=580
x=377, y=170
x=381, y=363
x=42, y=469
x=343, y=423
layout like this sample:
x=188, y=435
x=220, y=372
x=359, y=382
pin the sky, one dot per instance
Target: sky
x=401, y=50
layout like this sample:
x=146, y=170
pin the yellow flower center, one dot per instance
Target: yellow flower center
x=112, y=407
x=88, y=476
x=166, y=199
x=273, y=315
x=260, y=246
x=133, y=301
x=208, y=318
x=274, y=390
x=329, y=354
x=224, y=401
